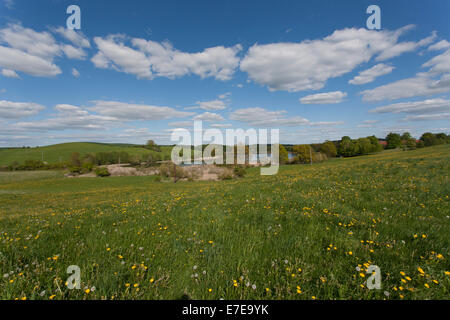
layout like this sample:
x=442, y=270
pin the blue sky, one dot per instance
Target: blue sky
x=137, y=70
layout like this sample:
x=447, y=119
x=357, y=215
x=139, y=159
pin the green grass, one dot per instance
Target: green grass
x=62, y=152
x=309, y=226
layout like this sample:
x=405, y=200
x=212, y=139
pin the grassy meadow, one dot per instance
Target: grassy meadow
x=62, y=152
x=309, y=232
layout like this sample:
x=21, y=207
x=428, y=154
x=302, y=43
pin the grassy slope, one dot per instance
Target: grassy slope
x=308, y=226
x=53, y=153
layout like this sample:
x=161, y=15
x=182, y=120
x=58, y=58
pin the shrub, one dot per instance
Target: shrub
x=102, y=172
x=225, y=176
x=73, y=169
x=239, y=171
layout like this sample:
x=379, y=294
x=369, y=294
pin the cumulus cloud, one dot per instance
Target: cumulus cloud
x=32, y=52
x=17, y=60
x=326, y=123
x=309, y=64
x=407, y=88
x=114, y=54
x=443, y=44
x=423, y=84
x=40, y=44
x=76, y=37
x=16, y=110
x=324, y=98
x=209, y=116
x=439, y=64
x=10, y=73
x=68, y=117
x=150, y=59
x=371, y=74
x=221, y=125
x=259, y=117
x=416, y=107
x=403, y=47
x=128, y=111
x=211, y=105
x=421, y=117
x=72, y=52
x=75, y=73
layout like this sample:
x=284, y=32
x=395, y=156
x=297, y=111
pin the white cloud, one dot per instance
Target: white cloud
x=443, y=44
x=40, y=44
x=68, y=117
x=420, y=117
x=439, y=64
x=416, y=107
x=371, y=121
x=128, y=111
x=75, y=73
x=209, y=116
x=16, y=110
x=324, y=98
x=10, y=73
x=72, y=52
x=114, y=54
x=221, y=125
x=403, y=47
x=17, y=60
x=309, y=64
x=259, y=117
x=407, y=88
x=182, y=124
x=26, y=50
x=371, y=74
x=224, y=95
x=211, y=105
x=326, y=123
x=76, y=37
x=153, y=59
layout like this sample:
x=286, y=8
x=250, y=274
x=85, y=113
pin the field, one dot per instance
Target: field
x=62, y=152
x=309, y=232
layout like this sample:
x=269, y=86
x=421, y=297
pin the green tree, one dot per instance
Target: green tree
x=304, y=153
x=393, y=141
x=428, y=139
x=406, y=136
x=283, y=154
x=410, y=144
x=346, y=147
x=329, y=149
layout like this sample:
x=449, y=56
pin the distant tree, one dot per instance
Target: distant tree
x=304, y=153
x=329, y=149
x=406, y=136
x=393, y=141
x=152, y=146
x=363, y=146
x=376, y=146
x=441, y=138
x=75, y=159
x=346, y=147
x=283, y=154
x=410, y=144
x=428, y=139
x=420, y=144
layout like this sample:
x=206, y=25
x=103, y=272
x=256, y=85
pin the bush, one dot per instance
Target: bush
x=102, y=172
x=225, y=176
x=73, y=169
x=239, y=171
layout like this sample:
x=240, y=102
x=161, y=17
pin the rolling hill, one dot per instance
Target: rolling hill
x=61, y=152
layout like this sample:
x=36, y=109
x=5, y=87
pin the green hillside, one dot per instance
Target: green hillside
x=62, y=152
